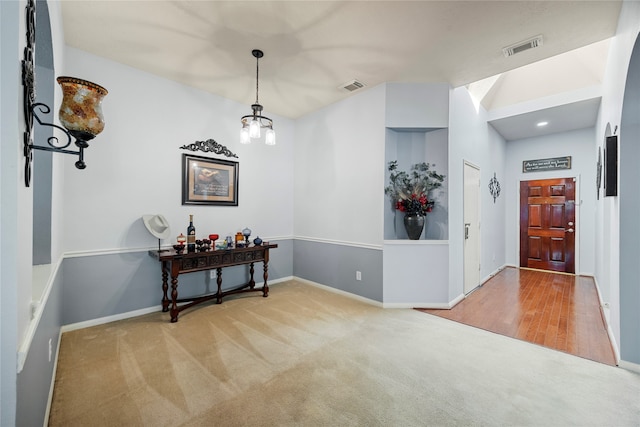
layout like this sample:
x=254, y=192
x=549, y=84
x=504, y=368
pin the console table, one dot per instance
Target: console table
x=174, y=264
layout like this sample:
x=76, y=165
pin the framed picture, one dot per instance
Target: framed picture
x=599, y=173
x=207, y=181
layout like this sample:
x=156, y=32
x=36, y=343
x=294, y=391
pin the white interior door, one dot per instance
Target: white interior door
x=471, y=227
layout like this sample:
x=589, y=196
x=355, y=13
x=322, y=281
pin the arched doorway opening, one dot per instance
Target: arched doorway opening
x=629, y=206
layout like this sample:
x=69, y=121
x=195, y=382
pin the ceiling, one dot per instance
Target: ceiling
x=312, y=48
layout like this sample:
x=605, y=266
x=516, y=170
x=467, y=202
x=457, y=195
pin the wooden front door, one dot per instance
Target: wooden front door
x=547, y=224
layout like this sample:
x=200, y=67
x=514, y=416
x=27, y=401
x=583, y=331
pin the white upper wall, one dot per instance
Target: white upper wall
x=472, y=139
x=11, y=127
x=134, y=167
x=417, y=105
x=608, y=237
x=58, y=161
x=339, y=171
x=577, y=144
x=574, y=70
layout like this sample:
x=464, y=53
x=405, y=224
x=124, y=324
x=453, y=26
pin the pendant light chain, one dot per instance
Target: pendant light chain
x=257, y=77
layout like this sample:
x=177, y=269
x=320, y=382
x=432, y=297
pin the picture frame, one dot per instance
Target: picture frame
x=207, y=181
x=599, y=173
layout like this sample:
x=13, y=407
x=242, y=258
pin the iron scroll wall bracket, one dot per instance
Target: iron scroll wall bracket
x=80, y=137
x=28, y=83
x=76, y=126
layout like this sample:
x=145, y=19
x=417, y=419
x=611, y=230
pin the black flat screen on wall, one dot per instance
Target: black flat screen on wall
x=611, y=166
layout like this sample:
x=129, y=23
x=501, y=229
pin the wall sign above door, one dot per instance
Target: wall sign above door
x=540, y=165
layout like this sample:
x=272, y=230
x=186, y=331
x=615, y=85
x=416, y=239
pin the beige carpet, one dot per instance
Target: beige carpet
x=308, y=357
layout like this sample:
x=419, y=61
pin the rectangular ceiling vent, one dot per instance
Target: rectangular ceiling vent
x=522, y=46
x=352, y=85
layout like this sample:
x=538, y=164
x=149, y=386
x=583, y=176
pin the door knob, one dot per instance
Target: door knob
x=570, y=223
x=570, y=230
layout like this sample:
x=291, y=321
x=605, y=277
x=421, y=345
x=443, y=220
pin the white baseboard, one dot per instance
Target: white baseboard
x=53, y=383
x=410, y=305
x=629, y=366
x=494, y=273
x=433, y=305
x=109, y=319
x=604, y=306
x=280, y=280
x=135, y=313
x=614, y=343
x=339, y=291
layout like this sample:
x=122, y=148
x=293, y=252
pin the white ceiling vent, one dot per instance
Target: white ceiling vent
x=522, y=46
x=352, y=85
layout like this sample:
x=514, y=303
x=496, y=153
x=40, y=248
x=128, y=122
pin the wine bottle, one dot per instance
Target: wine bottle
x=191, y=235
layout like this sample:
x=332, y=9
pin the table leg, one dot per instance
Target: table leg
x=174, y=297
x=252, y=282
x=175, y=271
x=165, y=286
x=219, y=281
x=265, y=287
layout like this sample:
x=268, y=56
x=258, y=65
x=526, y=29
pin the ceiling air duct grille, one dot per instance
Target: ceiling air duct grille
x=522, y=46
x=352, y=85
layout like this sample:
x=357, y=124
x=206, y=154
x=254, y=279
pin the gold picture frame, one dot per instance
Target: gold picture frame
x=207, y=181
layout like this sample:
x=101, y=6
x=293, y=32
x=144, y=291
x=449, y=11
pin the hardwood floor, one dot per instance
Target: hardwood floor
x=558, y=311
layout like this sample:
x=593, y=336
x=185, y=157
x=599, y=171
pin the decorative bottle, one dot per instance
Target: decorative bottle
x=191, y=235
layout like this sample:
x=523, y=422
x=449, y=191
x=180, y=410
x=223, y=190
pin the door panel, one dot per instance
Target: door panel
x=535, y=216
x=557, y=216
x=535, y=247
x=547, y=224
x=557, y=250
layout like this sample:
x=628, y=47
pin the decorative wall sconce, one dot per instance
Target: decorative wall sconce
x=252, y=123
x=80, y=112
x=494, y=187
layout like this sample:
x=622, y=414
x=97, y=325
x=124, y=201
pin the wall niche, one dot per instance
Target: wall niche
x=408, y=147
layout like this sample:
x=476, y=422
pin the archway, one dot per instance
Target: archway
x=629, y=204
x=42, y=160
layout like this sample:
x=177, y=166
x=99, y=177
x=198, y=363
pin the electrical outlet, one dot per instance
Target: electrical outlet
x=358, y=275
x=50, y=349
x=212, y=274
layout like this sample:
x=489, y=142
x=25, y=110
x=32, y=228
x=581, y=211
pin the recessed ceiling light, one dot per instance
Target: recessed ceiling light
x=540, y=124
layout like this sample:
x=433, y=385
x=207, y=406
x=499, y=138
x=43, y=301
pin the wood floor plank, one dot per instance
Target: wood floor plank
x=557, y=311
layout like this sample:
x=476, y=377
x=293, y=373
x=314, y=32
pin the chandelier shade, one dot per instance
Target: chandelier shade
x=252, y=124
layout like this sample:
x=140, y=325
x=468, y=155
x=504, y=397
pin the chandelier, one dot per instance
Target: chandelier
x=253, y=123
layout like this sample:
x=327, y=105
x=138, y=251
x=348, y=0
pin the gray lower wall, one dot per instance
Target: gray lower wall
x=34, y=382
x=335, y=265
x=97, y=286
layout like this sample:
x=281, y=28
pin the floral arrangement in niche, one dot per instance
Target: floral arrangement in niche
x=409, y=190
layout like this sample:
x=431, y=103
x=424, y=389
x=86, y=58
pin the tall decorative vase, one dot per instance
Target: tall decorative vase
x=414, y=225
x=81, y=110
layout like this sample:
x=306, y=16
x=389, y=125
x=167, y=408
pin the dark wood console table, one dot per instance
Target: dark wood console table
x=174, y=264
